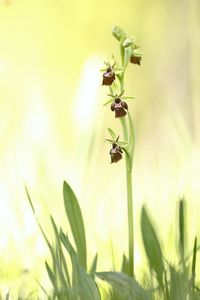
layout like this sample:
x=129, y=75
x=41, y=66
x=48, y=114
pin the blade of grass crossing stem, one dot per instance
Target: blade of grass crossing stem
x=182, y=232
x=125, y=285
x=61, y=258
x=75, y=219
x=194, y=262
x=82, y=282
x=152, y=246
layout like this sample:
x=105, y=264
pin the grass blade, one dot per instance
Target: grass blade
x=194, y=262
x=182, y=232
x=152, y=246
x=93, y=266
x=125, y=264
x=61, y=262
x=52, y=277
x=125, y=285
x=83, y=284
x=42, y=288
x=75, y=219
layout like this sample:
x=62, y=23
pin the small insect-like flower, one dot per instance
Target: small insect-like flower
x=120, y=107
x=116, y=151
x=136, y=55
x=135, y=59
x=109, y=75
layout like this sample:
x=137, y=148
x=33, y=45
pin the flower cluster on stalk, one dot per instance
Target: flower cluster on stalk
x=114, y=75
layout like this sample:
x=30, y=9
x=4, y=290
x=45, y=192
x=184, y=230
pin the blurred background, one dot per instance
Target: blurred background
x=53, y=125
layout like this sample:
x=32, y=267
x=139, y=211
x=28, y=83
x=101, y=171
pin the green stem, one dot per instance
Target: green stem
x=130, y=218
x=129, y=199
x=129, y=137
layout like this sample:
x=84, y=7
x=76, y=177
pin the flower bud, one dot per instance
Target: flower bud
x=118, y=33
x=128, y=41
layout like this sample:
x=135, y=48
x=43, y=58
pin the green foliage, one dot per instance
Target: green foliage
x=75, y=219
x=174, y=281
x=126, y=287
x=152, y=246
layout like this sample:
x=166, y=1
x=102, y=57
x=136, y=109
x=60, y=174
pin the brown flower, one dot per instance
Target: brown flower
x=119, y=107
x=135, y=59
x=108, y=77
x=115, y=153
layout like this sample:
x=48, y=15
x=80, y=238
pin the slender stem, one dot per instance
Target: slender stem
x=129, y=200
x=130, y=218
x=122, y=82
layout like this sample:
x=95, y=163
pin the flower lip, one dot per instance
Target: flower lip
x=108, y=77
x=119, y=107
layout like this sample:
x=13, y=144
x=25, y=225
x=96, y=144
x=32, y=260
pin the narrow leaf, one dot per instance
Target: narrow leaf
x=93, y=266
x=83, y=284
x=125, y=265
x=29, y=199
x=61, y=262
x=182, y=229
x=75, y=219
x=51, y=277
x=194, y=262
x=152, y=246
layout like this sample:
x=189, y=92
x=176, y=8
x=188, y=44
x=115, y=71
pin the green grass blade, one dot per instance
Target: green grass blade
x=42, y=288
x=61, y=262
x=75, y=219
x=182, y=232
x=125, y=285
x=93, y=266
x=152, y=246
x=125, y=264
x=52, y=277
x=83, y=284
x=57, y=272
x=194, y=262
x=44, y=235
